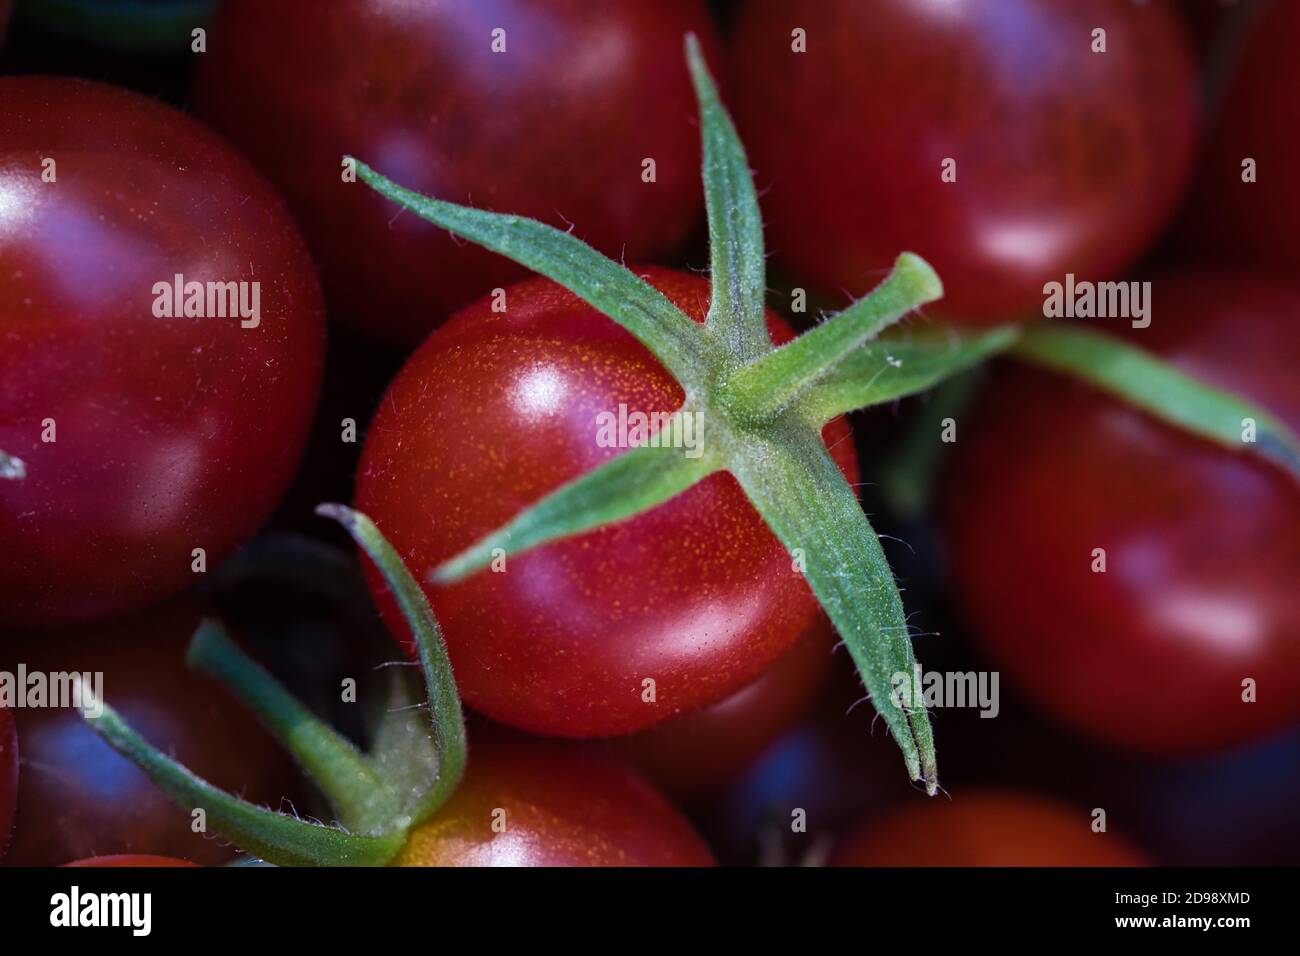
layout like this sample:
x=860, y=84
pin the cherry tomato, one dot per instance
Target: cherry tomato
x=144, y=437
x=1201, y=545
x=526, y=802
x=697, y=755
x=130, y=859
x=8, y=775
x=984, y=135
x=1253, y=224
x=985, y=828
x=496, y=410
x=556, y=126
x=78, y=798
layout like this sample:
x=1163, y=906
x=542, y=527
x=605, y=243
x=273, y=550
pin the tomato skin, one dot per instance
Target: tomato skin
x=1202, y=545
x=170, y=434
x=1067, y=161
x=985, y=828
x=563, y=807
x=695, y=756
x=8, y=775
x=556, y=128
x=496, y=410
x=78, y=798
x=1253, y=224
x=130, y=859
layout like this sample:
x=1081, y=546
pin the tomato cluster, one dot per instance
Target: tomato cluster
x=166, y=274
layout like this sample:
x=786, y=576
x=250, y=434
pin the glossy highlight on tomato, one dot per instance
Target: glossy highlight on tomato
x=144, y=437
x=985, y=828
x=496, y=410
x=1065, y=160
x=556, y=126
x=1198, y=601
x=528, y=802
x=79, y=798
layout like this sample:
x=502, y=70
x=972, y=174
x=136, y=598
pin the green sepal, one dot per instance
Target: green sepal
x=737, y=263
x=607, y=286
x=627, y=485
x=766, y=387
x=806, y=501
x=1148, y=382
x=442, y=762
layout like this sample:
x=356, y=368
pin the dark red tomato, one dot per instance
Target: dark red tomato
x=989, y=828
x=78, y=798
x=526, y=802
x=8, y=775
x=1066, y=160
x=1253, y=224
x=1202, y=546
x=556, y=127
x=495, y=411
x=697, y=755
x=144, y=437
x=129, y=859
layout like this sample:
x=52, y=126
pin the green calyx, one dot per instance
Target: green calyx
x=416, y=760
x=764, y=407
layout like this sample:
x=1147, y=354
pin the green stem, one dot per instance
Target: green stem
x=624, y=486
x=802, y=495
x=889, y=369
x=1158, y=388
x=761, y=390
x=736, y=309
x=281, y=839
x=609, y=287
x=444, y=702
x=357, y=794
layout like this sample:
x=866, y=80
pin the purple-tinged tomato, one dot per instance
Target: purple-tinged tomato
x=162, y=337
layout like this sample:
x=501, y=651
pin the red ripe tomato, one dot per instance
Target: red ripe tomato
x=1065, y=160
x=526, y=802
x=556, y=127
x=130, y=859
x=495, y=411
x=144, y=437
x=1253, y=224
x=8, y=775
x=989, y=828
x=695, y=756
x=1201, y=546
x=77, y=797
